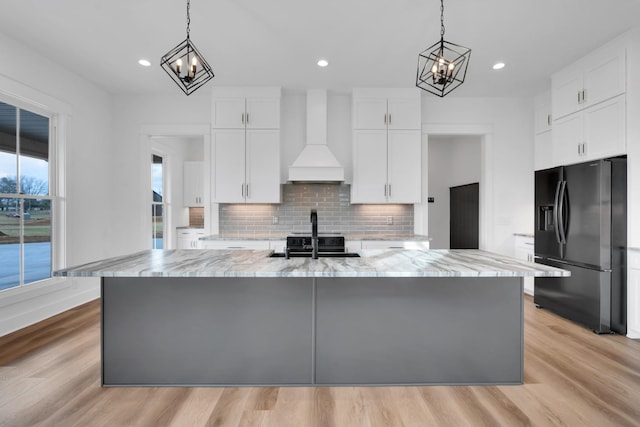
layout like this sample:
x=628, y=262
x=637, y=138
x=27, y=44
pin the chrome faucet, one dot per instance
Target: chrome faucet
x=314, y=234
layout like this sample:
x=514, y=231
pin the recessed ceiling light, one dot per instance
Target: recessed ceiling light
x=498, y=65
x=144, y=63
x=323, y=63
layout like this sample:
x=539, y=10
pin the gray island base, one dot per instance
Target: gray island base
x=392, y=317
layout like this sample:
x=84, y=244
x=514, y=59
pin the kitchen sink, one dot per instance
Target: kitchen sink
x=320, y=255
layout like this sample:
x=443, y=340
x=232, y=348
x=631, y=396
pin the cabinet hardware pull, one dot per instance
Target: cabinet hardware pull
x=247, y=119
x=247, y=191
x=385, y=119
x=389, y=118
x=389, y=190
x=584, y=96
x=242, y=118
x=385, y=190
x=548, y=119
x=242, y=189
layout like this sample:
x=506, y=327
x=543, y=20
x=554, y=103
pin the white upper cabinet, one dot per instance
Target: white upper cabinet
x=403, y=166
x=246, y=108
x=588, y=100
x=370, y=113
x=542, y=113
x=246, y=145
x=404, y=113
x=386, y=109
x=193, y=184
x=386, y=146
x=246, y=166
x=594, y=133
x=543, y=147
x=595, y=78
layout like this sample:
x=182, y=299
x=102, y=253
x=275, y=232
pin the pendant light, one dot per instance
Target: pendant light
x=185, y=65
x=442, y=67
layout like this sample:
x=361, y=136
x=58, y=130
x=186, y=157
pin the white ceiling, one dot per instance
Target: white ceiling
x=368, y=43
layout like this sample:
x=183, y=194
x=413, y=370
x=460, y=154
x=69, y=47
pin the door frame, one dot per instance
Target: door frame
x=485, y=133
x=146, y=136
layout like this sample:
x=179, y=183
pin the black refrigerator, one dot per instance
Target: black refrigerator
x=581, y=226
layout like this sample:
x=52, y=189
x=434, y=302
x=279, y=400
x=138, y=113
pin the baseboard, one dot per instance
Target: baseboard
x=29, y=311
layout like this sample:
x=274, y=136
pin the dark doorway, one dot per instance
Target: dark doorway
x=464, y=216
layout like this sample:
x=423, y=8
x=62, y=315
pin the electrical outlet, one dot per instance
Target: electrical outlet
x=389, y=220
x=275, y=220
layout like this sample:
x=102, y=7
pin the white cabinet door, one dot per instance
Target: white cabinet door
x=193, y=184
x=263, y=166
x=370, y=113
x=404, y=113
x=604, y=129
x=370, y=166
x=542, y=113
x=263, y=113
x=229, y=166
x=599, y=76
x=228, y=113
x=543, y=151
x=567, y=139
x=566, y=91
x=604, y=75
x=403, y=166
x=189, y=238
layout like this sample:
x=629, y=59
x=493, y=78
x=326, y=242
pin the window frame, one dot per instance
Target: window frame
x=58, y=114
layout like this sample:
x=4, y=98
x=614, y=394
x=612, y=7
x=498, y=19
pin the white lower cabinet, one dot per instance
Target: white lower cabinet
x=633, y=295
x=188, y=238
x=524, y=250
x=278, y=245
x=235, y=244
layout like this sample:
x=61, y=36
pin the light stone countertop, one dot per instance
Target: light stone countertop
x=257, y=263
x=347, y=236
x=524, y=234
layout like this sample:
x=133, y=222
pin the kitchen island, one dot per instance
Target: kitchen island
x=239, y=317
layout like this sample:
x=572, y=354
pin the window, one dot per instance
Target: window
x=157, y=202
x=26, y=199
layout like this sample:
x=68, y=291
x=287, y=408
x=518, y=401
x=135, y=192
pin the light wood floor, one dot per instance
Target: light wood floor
x=50, y=376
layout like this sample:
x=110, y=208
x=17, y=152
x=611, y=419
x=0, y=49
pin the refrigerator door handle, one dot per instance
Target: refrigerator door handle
x=561, y=208
x=555, y=212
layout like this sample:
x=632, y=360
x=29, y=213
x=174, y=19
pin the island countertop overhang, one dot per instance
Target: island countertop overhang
x=257, y=263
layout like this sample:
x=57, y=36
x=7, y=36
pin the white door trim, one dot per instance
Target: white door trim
x=485, y=132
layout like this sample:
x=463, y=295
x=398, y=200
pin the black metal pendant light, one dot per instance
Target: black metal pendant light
x=442, y=67
x=185, y=65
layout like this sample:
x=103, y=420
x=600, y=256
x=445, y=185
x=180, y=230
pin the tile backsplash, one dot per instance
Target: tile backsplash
x=335, y=214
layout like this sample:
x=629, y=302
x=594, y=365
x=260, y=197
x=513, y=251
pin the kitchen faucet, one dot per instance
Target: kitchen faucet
x=314, y=234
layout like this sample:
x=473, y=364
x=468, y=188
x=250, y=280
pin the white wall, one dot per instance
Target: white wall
x=633, y=170
x=453, y=161
x=89, y=177
x=132, y=115
x=511, y=157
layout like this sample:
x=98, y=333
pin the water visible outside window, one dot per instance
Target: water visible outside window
x=25, y=203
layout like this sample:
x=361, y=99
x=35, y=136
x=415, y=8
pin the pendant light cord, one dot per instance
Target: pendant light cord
x=188, y=18
x=441, y=19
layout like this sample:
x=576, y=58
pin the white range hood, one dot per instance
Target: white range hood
x=316, y=163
